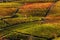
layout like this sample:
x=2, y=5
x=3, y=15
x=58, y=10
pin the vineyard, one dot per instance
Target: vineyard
x=30, y=20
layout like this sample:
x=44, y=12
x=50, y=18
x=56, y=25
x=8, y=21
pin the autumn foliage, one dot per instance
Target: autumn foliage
x=7, y=11
x=33, y=8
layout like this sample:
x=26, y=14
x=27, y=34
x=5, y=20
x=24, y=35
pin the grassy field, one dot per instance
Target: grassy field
x=42, y=30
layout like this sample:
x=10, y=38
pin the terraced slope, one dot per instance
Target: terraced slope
x=30, y=27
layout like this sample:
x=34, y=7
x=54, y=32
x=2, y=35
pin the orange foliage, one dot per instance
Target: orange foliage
x=30, y=7
x=36, y=5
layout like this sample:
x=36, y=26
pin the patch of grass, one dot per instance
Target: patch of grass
x=22, y=19
x=10, y=4
x=42, y=30
x=10, y=29
x=2, y=24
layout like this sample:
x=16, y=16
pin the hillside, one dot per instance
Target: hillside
x=30, y=20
